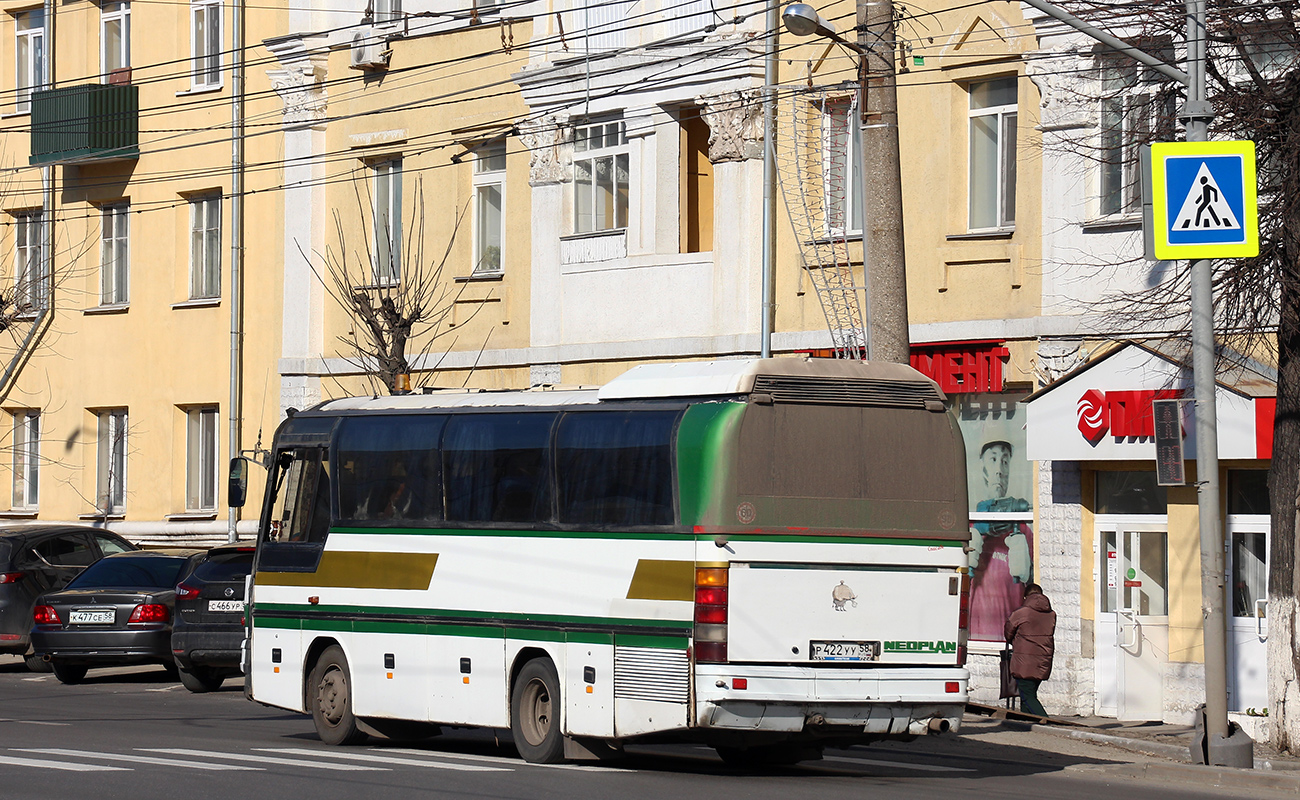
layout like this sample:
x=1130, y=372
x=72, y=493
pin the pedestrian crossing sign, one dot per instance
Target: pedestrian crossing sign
x=1203, y=200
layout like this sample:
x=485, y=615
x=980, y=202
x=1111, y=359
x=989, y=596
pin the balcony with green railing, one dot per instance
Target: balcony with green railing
x=90, y=122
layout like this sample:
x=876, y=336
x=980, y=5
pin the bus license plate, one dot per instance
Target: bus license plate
x=101, y=616
x=225, y=605
x=843, y=651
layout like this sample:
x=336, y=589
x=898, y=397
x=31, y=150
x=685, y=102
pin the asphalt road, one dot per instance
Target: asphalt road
x=137, y=735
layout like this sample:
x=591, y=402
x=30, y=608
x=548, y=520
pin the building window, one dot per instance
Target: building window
x=111, y=468
x=993, y=154
x=27, y=459
x=115, y=41
x=205, y=247
x=696, y=210
x=388, y=221
x=1131, y=106
x=387, y=10
x=205, y=43
x=201, y=460
x=30, y=270
x=30, y=51
x=489, y=206
x=114, y=261
x=600, y=177
x=842, y=168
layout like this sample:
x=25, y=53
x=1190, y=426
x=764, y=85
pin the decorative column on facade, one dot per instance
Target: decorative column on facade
x=300, y=83
x=549, y=141
x=735, y=121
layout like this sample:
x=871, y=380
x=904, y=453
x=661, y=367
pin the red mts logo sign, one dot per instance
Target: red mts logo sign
x=1123, y=415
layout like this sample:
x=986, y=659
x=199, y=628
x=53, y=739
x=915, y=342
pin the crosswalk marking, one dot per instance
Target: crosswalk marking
x=63, y=765
x=294, y=762
x=166, y=762
x=904, y=764
x=516, y=762
x=377, y=759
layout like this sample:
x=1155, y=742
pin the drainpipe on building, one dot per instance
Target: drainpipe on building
x=236, y=399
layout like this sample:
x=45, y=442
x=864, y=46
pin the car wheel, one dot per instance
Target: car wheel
x=329, y=694
x=535, y=713
x=69, y=673
x=36, y=663
x=200, y=679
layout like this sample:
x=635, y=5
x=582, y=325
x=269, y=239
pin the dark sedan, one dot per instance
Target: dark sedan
x=117, y=612
x=209, y=627
x=35, y=559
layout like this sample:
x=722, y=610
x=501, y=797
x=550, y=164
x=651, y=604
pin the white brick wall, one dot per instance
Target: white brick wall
x=1059, y=539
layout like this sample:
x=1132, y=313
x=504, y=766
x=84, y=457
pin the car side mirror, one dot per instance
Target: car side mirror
x=237, y=490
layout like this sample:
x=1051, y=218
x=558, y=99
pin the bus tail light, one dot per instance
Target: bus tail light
x=711, y=614
x=46, y=615
x=963, y=619
x=149, y=612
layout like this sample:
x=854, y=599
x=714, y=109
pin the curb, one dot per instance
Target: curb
x=1218, y=777
x=1173, y=751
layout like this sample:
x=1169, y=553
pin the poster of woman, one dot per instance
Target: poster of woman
x=999, y=483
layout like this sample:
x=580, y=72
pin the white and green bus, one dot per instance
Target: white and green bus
x=765, y=556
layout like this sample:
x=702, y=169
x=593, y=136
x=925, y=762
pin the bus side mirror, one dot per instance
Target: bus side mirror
x=237, y=491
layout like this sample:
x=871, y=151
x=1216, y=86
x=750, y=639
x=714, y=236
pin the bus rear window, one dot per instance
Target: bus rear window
x=389, y=470
x=495, y=467
x=615, y=469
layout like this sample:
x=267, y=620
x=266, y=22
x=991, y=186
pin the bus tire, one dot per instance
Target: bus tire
x=535, y=713
x=329, y=693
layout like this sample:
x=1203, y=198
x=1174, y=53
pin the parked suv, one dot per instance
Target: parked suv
x=35, y=559
x=209, y=627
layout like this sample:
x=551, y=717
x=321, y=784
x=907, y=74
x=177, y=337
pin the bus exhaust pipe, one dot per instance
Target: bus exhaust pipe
x=939, y=725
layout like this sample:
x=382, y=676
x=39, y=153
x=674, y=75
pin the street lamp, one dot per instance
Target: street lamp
x=884, y=262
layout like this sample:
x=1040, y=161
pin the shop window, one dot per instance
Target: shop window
x=1248, y=491
x=1130, y=493
x=1249, y=573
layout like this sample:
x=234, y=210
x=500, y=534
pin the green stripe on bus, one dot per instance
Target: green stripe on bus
x=702, y=468
x=584, y=637
x=661, y=642
x=452, y=615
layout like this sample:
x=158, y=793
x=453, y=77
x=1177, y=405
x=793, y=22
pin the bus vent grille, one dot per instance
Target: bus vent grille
x=648, y=673
x=850, y=391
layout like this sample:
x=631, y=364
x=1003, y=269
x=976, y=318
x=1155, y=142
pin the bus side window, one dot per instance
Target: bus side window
x=496, y=467
x=302, y=504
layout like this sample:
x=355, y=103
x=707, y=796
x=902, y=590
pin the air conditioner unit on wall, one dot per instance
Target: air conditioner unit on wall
x=369, y=50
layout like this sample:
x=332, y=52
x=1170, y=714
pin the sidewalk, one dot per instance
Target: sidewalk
x=1165, y=747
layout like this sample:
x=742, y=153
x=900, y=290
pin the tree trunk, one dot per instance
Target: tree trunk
x=1284, y=496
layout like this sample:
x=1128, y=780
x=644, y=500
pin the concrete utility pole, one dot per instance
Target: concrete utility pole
x=885, y=262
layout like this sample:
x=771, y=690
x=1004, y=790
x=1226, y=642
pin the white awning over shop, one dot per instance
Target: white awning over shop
x=1102, y=411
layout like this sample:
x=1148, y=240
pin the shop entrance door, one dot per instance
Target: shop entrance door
x=1132, y=629
x=1248, y=604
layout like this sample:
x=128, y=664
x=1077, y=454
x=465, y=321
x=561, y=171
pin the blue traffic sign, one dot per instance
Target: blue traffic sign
x=1204, y=203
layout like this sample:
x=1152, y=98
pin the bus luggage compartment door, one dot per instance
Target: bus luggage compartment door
x=851, y=614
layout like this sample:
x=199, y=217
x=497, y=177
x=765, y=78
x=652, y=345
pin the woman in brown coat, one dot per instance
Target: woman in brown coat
x=1030, y=632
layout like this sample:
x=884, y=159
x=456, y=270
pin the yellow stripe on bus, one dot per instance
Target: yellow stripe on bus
x=662, y=580
x=360, y=570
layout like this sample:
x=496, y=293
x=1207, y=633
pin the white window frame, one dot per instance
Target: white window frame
x=114, y=12
x=841, y=167
x=489, y=176
x=111, y=461
x=205, y=44
x=205, y=247
x=115, y=255
x=1130, y=100
x=598, y=144
x=201, y=453
x=31, y=278
x=1004, y=118
x=387, y=181
x=29, y=47
x=27, y=459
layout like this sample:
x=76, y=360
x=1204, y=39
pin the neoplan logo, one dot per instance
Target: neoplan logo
x=920, y=647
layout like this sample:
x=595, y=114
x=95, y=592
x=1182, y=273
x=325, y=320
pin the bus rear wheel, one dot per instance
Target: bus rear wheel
x=329, y=693
x=535, y=713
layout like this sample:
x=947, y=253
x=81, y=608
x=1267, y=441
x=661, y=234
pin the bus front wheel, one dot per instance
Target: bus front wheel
x=535, y=713
x=330, y=696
